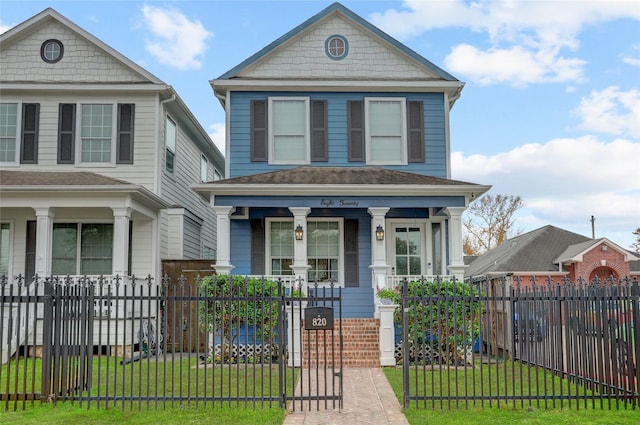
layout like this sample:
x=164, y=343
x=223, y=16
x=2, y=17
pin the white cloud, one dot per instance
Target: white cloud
x=217, y=134
x=631, y=61
x=611, y=111
x=634, y=58
x=565, y=181
x=4, y=28
x=516, y=65
x=177, y=41
x=527, y=38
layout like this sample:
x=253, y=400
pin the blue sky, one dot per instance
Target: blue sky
x=550, y=110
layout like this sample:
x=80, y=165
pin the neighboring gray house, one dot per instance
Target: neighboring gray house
x=557, y=253
x=96, y=159
x=547, y=254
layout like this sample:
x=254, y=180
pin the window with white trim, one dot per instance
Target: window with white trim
x=97, y=122
x=289, y=130
x=386, y=140
x=103, y=134
x=170, y=135
x=19, y=131
x=82, y=248
x=325, y=251
x=8, y=132
x=5, y=248
x=280, y=246
x=204, y=169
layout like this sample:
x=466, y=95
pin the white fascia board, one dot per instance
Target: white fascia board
x=140, y=193
x=331, y=85
x=341, y=190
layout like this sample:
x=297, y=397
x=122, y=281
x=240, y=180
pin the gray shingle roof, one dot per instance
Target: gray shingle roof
x=56, y=178
x=534, y=251
x=340, y=175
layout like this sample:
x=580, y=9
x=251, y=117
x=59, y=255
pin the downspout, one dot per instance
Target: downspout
x=227, y=145
x=159, y=121
x=449, y=101
x=157, y=189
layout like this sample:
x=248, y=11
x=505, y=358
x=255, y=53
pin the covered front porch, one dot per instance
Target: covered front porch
x=362, y=229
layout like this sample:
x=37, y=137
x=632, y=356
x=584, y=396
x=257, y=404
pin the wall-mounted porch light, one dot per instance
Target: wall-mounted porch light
x=379, y=233
x=299, y=233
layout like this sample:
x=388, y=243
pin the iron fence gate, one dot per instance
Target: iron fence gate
x=497, y=342
x=100, y=341
x=317, y=323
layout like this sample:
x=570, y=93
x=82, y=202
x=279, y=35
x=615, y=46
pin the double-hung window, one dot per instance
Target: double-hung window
x=170, y=142
x=280, y=245
x=19, y=133
x=289, y=130
x=204, y=169
x=8, y=132
x=5, y=248
x=82, y=249
x=324, y=251
x=104, y=132
x=385, y=131
x=96, y=133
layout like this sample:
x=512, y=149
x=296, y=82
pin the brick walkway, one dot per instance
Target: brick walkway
x=368, y=399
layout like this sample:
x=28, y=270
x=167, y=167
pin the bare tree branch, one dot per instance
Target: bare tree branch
x=491, y=222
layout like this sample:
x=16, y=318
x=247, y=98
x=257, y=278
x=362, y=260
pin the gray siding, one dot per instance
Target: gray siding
x=176, y=189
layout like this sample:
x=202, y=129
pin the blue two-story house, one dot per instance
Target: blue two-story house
x=338, y=162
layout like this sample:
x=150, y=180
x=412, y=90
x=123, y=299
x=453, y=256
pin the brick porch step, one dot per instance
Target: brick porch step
x=360, y=345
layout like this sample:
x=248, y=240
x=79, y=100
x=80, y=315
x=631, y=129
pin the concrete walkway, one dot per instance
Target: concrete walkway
x=368, y=399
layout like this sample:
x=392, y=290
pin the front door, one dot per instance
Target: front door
x=408, y=256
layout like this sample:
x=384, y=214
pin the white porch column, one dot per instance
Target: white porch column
x=300, y=268
x=223, y=258
x=387, y=337
x=379, y=266
x=121, y=220
x=44, y=236
x=294, y=347
x=300, y=265
x=456, y=262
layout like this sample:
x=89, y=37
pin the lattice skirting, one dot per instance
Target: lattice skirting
x=250, y=353
x=429, y=354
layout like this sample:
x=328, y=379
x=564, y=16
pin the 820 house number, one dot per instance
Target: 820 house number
x=319, y=322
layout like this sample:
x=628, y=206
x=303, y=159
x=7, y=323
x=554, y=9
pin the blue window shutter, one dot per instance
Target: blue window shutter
x=259, y=145
x=30, y=121
x=319, y=143
x=355, y=127
x=351, y=253
x=415, y=129
x=257, y=247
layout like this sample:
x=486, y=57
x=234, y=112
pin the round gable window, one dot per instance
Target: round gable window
x=51, y=51
x=336, y=47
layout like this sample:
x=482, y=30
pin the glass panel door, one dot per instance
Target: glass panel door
x=408, y=256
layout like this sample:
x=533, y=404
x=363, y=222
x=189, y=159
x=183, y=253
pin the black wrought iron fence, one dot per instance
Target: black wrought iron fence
x=111, y=341
x=503, y=342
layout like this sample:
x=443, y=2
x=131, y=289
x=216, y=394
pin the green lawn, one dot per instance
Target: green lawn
x=505, y=413
x=239, y=414
x=182, y=377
